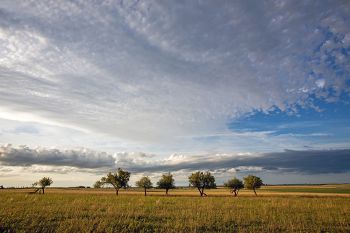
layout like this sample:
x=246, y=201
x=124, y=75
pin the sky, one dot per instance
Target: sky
x=233, y=87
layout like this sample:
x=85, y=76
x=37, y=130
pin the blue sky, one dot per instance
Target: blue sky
x=154, y=86
x=324, y=128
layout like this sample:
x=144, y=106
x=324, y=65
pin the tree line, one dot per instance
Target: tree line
x=199, y=180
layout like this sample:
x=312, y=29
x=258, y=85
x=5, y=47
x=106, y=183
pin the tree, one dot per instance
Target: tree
x=98, y=184
x=201, y=181
x=118, y=180
x=145, y=183
x=252, y=182
x=166, y=182
x=235, y=185
x=43, y=182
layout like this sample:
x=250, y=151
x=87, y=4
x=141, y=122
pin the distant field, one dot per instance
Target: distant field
x=324, y=190
x=99, y=210
x=340, y=189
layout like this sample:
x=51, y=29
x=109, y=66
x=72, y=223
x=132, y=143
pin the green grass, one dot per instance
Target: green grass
x=104, y=212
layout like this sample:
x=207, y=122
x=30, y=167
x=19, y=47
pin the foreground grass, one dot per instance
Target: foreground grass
x=94, y=212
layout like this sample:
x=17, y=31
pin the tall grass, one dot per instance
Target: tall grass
x=81, y=212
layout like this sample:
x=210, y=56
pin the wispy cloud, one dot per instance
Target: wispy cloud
x=150, y=71
x=166, y=77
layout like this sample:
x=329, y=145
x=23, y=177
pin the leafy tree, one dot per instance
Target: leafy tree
x=118, y=180
x=201, y=180
x=252, y=182
x=145, y=183
x=98, y=184
x=235, y=185
x=43, y=182
x=166, y=182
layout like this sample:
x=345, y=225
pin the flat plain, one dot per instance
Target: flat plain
x=313, y=208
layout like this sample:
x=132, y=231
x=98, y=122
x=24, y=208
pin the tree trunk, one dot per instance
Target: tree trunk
x=116, y=192
x=145, y=192
x=235, y=192
x=43, y=191
x=255, y=192
x=200, y=192
x=166, y=191
x=203, y=193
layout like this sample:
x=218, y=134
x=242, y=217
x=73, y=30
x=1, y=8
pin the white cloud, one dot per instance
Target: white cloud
x=14, y=115
x=320, y=83
x=161, y=72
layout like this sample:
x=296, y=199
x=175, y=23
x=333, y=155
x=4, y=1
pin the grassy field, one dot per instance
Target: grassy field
x=93, y=210
x=336, y=189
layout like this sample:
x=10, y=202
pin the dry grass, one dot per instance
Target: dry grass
x=91, y=210
x=280, y=190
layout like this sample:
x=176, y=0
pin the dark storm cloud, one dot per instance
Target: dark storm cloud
x=24, y=156
x=308, y=162
x=304, y=162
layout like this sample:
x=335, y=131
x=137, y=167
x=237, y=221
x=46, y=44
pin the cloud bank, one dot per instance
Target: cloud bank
x=152, y=71
x=301, y=162
x=25, y=156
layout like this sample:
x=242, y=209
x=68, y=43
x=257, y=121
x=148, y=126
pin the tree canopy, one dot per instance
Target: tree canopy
x=235, y=185
x=145, y=183
x=202, y=180
x=43, y=182
x=166, y=182
x=118, y=180
x=252, y=182
x=98, y=184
